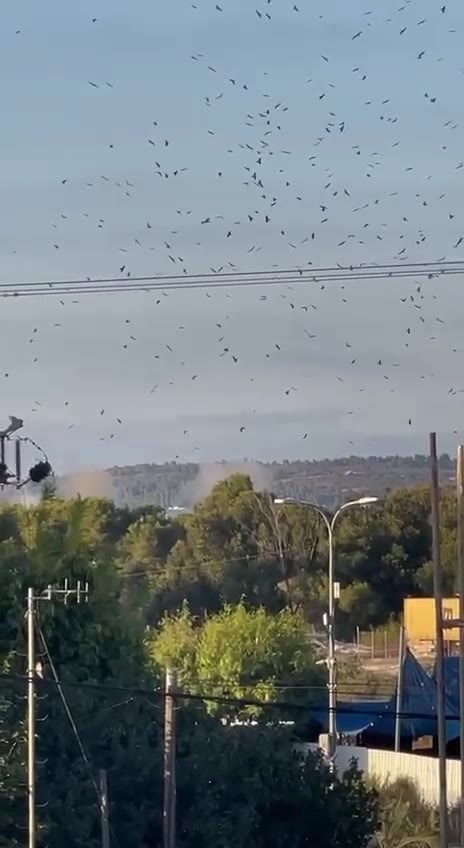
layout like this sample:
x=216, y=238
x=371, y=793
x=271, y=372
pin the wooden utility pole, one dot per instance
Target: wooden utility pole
x=169, y=807
x=460, y=587
x=438, y=594
x=105, y=827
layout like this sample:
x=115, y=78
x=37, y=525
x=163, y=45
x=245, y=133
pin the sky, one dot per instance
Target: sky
x=183, y=138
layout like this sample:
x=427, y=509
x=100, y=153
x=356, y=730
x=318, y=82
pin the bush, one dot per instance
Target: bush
x=405, y=818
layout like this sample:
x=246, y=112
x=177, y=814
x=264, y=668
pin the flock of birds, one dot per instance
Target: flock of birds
x=328, y=194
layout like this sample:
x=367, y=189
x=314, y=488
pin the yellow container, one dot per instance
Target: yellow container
x=419, y=619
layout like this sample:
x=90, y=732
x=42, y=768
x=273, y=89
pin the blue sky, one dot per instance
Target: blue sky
x=355, y=139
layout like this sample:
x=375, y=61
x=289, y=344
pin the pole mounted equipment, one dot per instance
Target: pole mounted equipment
x=37, y=473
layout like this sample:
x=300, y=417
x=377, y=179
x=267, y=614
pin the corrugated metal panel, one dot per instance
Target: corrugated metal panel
x=388, y=766
x=419, y=619
x=422, y=771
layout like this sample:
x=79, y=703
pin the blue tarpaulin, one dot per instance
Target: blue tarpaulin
x=451, y=671
x=418, y=710
x=420, y=702
x=360, y=717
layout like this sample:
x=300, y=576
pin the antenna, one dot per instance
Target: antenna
x=49, y=594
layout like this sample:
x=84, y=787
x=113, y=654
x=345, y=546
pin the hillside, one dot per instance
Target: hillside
x=327, y=481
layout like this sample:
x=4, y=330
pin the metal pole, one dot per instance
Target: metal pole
x=31, y=718
x=331, y=662
x=438, y=593
x=169, y=807
x=105, y=828
x=399, y=692
x=331, y=656
x=460, y=524
x=18, y=460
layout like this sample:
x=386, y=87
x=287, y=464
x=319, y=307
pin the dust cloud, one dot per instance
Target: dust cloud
x=211, y=473
x=86, y=484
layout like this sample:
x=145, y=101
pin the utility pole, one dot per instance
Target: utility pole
x=438, y=593
x=31, y=718
x=169, y=807
x=460, y=587
x=49, y=594
x=104, y=809
x=399, y=691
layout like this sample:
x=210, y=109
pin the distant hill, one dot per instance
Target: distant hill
x=327, y=481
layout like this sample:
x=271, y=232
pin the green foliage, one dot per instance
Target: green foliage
x=361, y=607
x=238, y=545
x=231, y=594
x=405, y=818
x=175, y=646
x=263, y=794
x=237, y=786
x=89, y=643
x=247, y=654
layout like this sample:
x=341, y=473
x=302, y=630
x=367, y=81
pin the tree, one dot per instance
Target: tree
x=386, y=547
x=121, y=733
x=147, y=543
x=141, y=559
x=238, y=544
x=359, y=606
x=94, y=643
x=263, y=793
x=223, y=555
x=291, y=534
x=246, y=785
x=246, y=654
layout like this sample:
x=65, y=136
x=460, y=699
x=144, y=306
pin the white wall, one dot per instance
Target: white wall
x=388, y=766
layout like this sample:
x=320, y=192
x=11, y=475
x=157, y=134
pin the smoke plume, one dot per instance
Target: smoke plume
x=86, y=484
x=211, y=473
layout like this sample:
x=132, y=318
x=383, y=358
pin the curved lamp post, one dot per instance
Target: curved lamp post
x=331, y=660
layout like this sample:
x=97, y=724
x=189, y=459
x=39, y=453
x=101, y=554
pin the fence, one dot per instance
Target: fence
x=382, y=643
x=388, y=766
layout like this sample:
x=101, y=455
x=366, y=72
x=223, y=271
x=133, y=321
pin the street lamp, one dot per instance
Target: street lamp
x=331, y=659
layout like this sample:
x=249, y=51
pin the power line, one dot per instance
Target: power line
x=85, y=757
x=232, y=279
x=194, y=567
x=69, y=715
x=433, y=265
x=234, y=701
x=123, y=287
x=348, y=689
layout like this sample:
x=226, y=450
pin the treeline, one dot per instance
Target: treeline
x=326, y=481
x=237, y=544
x=229, y=594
